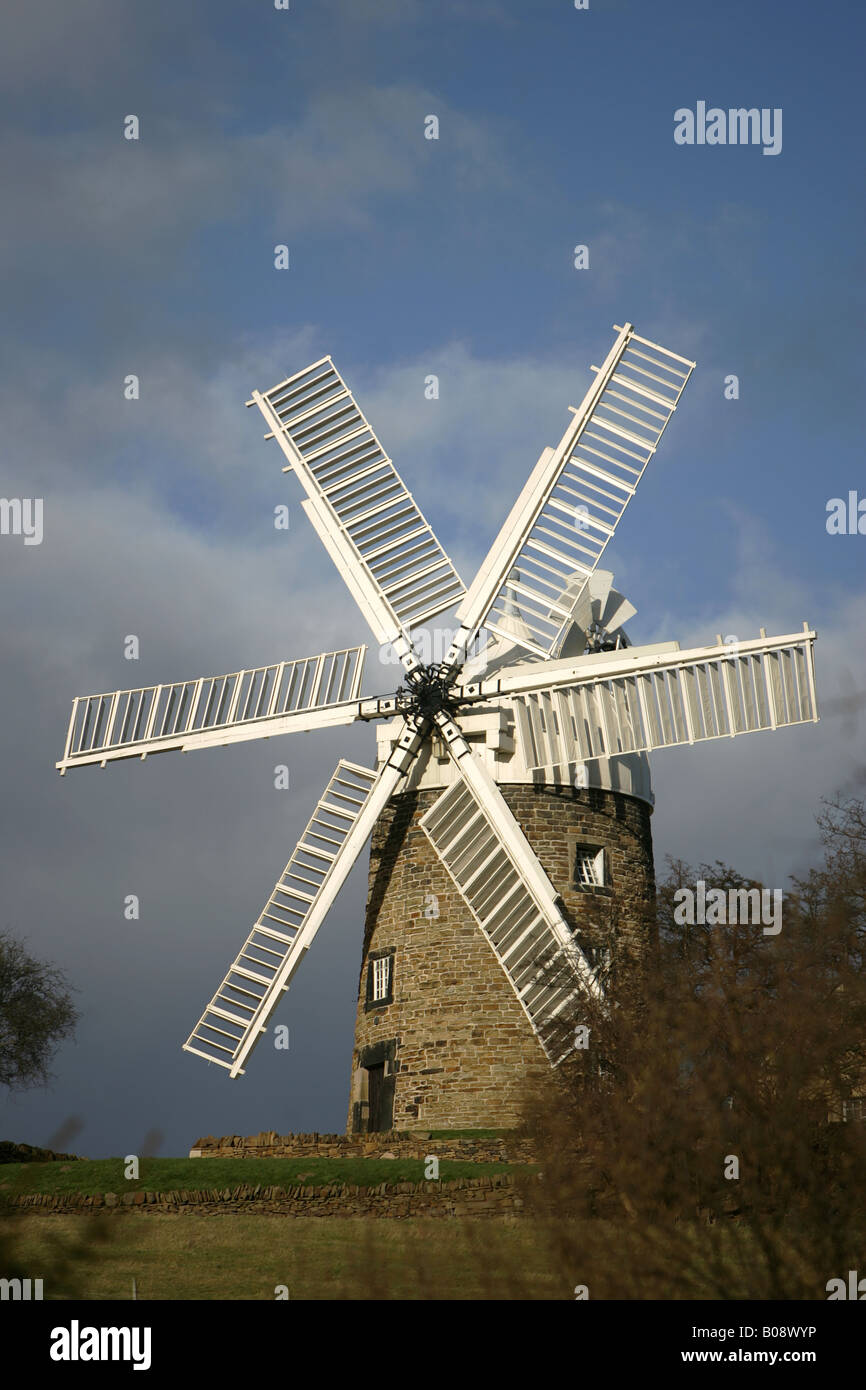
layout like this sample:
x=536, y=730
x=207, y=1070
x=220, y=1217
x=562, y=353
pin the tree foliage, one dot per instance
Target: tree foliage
x=36, y=1014
x=704, y=1113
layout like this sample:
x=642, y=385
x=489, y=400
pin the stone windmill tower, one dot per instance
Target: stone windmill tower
x=441, y=1039
x=511, y=790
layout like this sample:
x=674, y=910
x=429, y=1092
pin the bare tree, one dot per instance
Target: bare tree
x=694, y=1142
x=36, y=1014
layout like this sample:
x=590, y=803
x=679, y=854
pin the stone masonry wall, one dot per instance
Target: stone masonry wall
x=489, y=1196
x=504, y=1148
x=459, y=1048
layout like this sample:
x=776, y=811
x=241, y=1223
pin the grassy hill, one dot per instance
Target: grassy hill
x=91, y=1176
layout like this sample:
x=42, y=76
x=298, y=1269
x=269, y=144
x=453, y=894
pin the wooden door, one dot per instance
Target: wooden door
x=375, y=1096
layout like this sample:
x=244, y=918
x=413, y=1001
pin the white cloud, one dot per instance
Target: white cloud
x=354, y=144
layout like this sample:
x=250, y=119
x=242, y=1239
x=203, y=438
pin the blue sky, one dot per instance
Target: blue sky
x=408, y=257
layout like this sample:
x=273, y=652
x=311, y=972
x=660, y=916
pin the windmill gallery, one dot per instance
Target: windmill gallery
x=474, y=802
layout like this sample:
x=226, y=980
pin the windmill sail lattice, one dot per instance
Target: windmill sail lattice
x=686, y=697
x=359, y=505
x=542, y=964
x=235, y=1018
x=576, y=495
x=289, y=696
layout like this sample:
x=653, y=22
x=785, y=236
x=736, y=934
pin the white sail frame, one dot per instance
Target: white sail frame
x=315, y=692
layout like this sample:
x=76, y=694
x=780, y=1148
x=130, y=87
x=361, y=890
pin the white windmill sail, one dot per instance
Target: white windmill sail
x=313, y=692
x=530, y=952
x=365, y=516
x=352, y=802
x=499, y=876
x=576, y=495
x=641, y=699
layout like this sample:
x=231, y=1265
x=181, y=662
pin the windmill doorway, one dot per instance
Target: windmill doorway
x=376, y=1098
x=375, y=1077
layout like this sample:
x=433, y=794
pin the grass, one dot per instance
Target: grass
x=238, y=1256
x=245, y=1256
x=248, y=1257
x=91, y=1176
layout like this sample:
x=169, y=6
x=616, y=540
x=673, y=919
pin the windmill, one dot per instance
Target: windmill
x=557, y=690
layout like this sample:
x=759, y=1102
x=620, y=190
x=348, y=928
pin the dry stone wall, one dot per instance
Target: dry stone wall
x=505, y=1148
x=481, y=1197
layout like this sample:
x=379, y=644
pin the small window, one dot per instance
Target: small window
x=381, y=978
x=589, y=867
x=854, y=1109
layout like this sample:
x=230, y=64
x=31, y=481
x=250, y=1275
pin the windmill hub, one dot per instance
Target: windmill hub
x=428, y=695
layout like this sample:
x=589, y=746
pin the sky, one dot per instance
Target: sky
x=408, y=256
